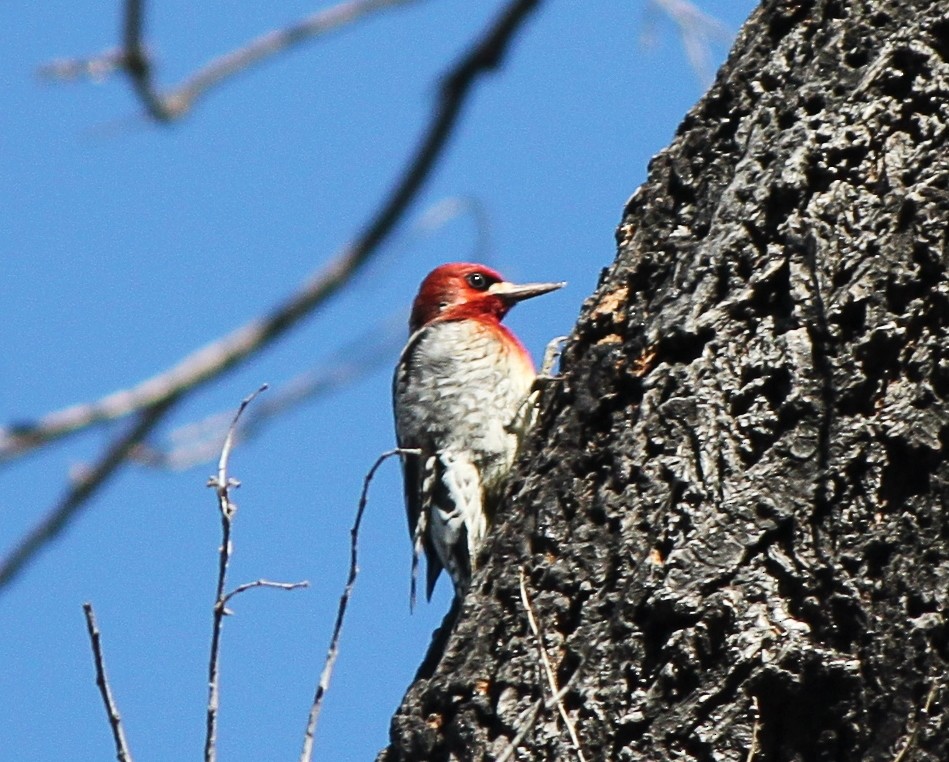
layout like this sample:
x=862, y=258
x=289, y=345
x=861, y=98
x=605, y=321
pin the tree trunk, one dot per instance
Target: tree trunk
x=733, y=518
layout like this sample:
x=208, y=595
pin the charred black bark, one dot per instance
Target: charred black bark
x=738, y=494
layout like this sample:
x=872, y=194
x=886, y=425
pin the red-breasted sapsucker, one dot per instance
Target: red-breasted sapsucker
x=460, y=394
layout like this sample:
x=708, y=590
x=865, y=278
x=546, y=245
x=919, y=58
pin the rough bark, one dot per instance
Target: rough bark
x=737, y=495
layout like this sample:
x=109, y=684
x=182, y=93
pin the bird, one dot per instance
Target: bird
x=461, y=401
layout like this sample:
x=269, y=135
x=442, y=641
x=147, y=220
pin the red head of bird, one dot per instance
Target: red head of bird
x=462, y=290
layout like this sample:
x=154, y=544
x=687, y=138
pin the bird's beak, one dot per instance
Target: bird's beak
x=512, y=292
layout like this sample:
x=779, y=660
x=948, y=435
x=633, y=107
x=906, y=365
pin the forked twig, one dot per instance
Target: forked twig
x=333, y=651
x=222, y=484
x=122, y=753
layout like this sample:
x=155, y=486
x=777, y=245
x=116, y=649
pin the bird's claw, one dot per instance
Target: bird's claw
x=551, y=356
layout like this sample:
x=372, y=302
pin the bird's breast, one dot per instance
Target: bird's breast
x=461, y=384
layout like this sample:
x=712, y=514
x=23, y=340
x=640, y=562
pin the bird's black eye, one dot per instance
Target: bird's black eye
x=478, y=281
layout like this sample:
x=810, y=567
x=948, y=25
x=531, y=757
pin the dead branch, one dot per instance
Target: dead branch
x=222, y=484
x=333, y=651
x=176, y=102
x=548, y=668
x=260, y=583
x=56, y=520
x=122, y=753
x=200, y=441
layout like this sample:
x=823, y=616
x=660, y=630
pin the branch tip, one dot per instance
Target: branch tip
x=122, y=752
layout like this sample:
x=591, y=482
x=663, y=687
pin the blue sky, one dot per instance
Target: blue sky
x=125, y=246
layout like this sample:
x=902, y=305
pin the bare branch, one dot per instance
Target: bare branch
x=921, y=717
x=139, y=66
x=753, y=746
x=222, y=484
x=320, y=23
x=323, y=685
x=200, y=441
x=97, y=67
x=122, y=753
x=524, y=724
x=261, y=583
x=548, y=668
x=176, y=102
x=78, y=495
x=215, y=358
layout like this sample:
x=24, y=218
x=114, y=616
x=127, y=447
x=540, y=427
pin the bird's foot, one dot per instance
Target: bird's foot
x=551, y=358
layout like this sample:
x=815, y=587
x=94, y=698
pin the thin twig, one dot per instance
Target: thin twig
x=96, y=67
x=213, y=359
x=333, y=651
x=222, y=484
x=57, y=519
x=200, y=441
x=260, y=583
x=122, y=753
x=182, y=98
x=548, y=667
x=919, y=720
x=524, y=724
x=753, y=748
x=528, y=717
x=177, y=102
